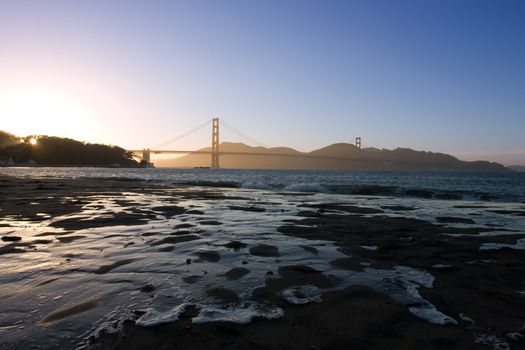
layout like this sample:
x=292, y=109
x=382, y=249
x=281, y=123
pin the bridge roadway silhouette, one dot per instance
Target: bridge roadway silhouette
x=145, y=154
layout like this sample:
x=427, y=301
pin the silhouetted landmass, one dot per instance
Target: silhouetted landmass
x=337, y=156
x=7, y=139
x=57, y=151
x=519, y=168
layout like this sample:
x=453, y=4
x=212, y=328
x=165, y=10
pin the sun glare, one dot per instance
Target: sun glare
x=27, y=111
x=33, y=141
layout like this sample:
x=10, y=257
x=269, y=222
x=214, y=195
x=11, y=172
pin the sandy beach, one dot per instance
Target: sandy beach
x=125, y=264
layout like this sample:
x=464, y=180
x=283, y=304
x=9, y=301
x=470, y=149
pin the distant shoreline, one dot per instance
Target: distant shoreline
x=505, y=170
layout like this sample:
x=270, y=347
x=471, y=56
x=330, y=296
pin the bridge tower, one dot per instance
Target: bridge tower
x=358, y=142
x=146, y=155
x=215, y=144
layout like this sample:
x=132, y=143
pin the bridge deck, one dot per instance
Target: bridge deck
x=296, y=155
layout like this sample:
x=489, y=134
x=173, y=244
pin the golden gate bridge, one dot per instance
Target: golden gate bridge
x=215, y=152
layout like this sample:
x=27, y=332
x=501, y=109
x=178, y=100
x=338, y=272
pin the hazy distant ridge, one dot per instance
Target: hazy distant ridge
x=519, y=168
x=336, y=156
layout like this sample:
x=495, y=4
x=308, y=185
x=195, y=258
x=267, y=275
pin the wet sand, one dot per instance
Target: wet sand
x=481, y=290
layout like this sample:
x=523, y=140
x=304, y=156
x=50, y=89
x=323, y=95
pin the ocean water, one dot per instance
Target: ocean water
x=498, y=187
x=38, y=288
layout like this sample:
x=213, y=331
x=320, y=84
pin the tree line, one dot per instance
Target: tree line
x=58, y=151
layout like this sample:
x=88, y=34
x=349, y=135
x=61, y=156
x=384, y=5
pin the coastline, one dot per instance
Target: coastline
x=348, y=248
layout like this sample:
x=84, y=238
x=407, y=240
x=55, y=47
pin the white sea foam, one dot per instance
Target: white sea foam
x=243, y=314
x=302, y=294
x=470, y=321
x=420, y=277
x=412, y=279
x=519, y=245
x=154, y=317
x=305, y=187
x=109, y=324
x=408, y=280
x=517, y=336
x=492, y=340
x=429, y=313
x=369, y=247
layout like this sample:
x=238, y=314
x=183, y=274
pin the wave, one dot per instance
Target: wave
x=305, y=187
x=360, y=189
x=256, y=185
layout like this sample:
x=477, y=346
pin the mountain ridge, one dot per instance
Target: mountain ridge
x=344, y=156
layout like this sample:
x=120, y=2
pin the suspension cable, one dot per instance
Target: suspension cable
x=183, y=135
x=241, y=134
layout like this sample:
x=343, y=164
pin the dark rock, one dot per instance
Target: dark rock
x=210, y=222
x=224, y=295
x=195, y=212
x=167, y=248
x=264, y=250
x=148, y=288
x=209, y=255
x=235, y=245
x=11, y=238
x=236, y=273
x=310, y=249
x=185, y=225
x=252, y=209
x=450, y=219
x=175, y=239
x=191, y=279
x=398, y=208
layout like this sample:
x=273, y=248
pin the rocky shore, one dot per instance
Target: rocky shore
x=122, y=264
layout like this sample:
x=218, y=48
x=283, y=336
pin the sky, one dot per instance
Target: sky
x=435, y=75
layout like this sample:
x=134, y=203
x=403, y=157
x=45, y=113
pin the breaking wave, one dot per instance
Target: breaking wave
x=256, y=185
x=360, y=190
x=305, y=187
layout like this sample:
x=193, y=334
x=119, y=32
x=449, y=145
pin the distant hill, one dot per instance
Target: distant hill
x=337, y=156
x=519, y=168
x=57, y=151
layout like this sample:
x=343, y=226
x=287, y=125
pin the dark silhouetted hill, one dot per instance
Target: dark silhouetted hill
x=342, y=156
x=7, y=139
x=57, y=151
